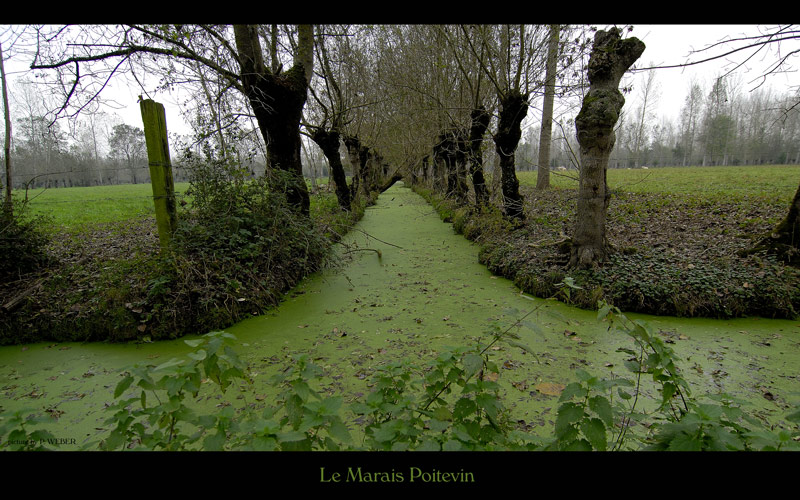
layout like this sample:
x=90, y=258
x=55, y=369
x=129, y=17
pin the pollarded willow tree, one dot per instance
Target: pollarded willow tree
x=332, y=106
x=515, y=59
x=611, y=57
x=420, y=82
x=81, y=60
x=475, y=85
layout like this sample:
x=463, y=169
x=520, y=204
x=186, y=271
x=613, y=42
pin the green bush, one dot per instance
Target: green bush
x=23, y=243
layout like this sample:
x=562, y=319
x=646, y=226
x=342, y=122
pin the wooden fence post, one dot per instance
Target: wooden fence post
x=155, y=133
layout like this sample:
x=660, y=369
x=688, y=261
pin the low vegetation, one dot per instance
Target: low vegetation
x=676, y=235
x=452, y=404
x=99, y=274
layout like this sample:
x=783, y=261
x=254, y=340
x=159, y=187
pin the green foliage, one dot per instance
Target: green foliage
x=586, y=418
x=18, y=433
x=237, y=248
x=660, y=284
x=453, y=403
x=155, y=414
x=23, y=242
x=589, y=414
x=302, y=420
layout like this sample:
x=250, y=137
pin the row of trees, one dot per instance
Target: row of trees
x=719, y=124
x=429, y=103
x=743, y=128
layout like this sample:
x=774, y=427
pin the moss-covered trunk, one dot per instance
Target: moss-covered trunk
x=611, y=57
x=358, y=161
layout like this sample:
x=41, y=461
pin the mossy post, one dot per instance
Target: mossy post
x=155, y=133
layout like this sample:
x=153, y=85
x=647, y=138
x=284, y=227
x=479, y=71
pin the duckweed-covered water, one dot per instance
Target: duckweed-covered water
x=408, y=287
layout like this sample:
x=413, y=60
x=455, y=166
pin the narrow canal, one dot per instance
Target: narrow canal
x=408, y=286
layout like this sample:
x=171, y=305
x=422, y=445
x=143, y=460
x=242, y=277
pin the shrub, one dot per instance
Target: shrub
x=22, y=243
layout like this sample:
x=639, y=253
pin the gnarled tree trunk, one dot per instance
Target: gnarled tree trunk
x=277, y=100
x=358, y=160
x=784, y=240
x=328, y=142
x=479, y=123
x=514, y=107
x=610, y=59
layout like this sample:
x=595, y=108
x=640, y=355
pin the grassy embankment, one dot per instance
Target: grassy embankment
x=106, y=279
x=675, y=234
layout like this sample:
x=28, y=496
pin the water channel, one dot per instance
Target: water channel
x=412, y=287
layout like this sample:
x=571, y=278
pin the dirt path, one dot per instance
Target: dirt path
x=424, y=290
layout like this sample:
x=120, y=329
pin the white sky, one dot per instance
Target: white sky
x=673, y=44
x=666, y=45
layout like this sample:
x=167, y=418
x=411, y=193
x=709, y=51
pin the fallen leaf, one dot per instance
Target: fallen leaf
x=549, y=388
x=521, y=385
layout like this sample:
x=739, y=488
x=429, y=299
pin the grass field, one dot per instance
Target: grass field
x=71, y=208
x=767, y=181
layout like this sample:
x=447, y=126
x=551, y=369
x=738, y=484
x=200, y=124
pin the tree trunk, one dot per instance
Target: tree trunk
x=784, y=241
x=545, y=139
x=277, y=100
x=7, y=205
x=439, y=167
x=357, y=160
x=611, y=56
x=513, y=111
x=479, y=124
x=328, y=141
x=459, y=160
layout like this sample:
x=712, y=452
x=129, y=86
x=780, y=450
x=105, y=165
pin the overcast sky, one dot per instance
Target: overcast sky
x=674, y=44
x=666, y=45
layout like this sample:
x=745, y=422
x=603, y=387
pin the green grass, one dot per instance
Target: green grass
x=74, y=207
x=764, y=181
